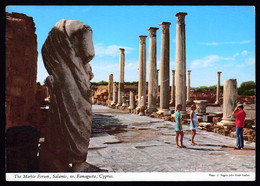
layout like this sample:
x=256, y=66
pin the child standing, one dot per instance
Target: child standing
x=193, y=123
x=178, y=126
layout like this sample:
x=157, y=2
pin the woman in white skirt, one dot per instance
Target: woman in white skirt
x=193, y=123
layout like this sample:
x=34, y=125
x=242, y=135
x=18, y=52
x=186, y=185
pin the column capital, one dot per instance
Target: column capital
x=219, y=72
x=142, y=39
x=180, y=17
x=121, y=49
x=188, y=71
x=173, y=71
x=165, y=26
x=152, y=31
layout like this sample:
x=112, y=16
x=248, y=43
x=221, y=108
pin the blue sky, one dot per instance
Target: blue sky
x=218, y=38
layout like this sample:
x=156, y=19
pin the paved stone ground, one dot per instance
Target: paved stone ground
x=125, y=142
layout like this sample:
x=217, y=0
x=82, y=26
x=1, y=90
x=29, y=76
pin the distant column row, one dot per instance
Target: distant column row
x=179, y=93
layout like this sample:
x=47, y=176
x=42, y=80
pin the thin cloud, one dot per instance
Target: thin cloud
x=236, y=54
x=244, y=53
x=208, y=61
x=111, y=50
x=226, y=43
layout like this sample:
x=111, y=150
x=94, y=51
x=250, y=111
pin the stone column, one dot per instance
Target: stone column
x=121, y=89
x=132, y=101
x=180, y=95
x=165, y=69
x=124, y=104
x=173, y=88
x=218, y=88
x=115, y=94
x=230, y=95
x=142, y=70
x=153, y=82
x=188, y=87
x=110, y=88
x=157, y=86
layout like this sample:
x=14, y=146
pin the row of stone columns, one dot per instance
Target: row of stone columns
x=164, y=67
x=179, y=94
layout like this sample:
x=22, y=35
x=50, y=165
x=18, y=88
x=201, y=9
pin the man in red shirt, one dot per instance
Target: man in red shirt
x=240, y=115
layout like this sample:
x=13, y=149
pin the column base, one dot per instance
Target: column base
x=131, y=108
x=124, y=105
x=113, y=103
x=118, y=104
x=151, y=110
x=229, y=123
x=165, y=112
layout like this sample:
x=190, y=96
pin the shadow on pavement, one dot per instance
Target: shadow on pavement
x=203, y=149
x=106, y=124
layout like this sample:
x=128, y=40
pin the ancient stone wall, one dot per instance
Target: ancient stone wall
x=21, y=69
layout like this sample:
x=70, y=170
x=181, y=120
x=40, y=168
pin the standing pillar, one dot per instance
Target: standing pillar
x=121, y=89
x=188, y=87
x=115, y=94
x=180, y=95
x=173, y=88
x=165, y=69
x=132, y=101
x=230, y=95
x=110, y=88
x=218, y=88
x=157, y=86
x=153, y=79
x=142, y=70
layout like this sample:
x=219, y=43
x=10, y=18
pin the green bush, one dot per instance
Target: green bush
x=199, y=88
x=131, y=83
x=250, y=92
x=99, y=83
x=106, y=83
x=212, y=87
x=247, y=85
x=247, y=88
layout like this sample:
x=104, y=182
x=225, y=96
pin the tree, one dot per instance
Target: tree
x=247, y=88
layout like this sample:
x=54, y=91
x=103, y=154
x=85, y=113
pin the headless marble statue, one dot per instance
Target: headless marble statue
x=66, y=53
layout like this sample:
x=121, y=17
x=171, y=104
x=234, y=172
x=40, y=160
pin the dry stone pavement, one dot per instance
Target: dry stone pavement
x=125, y=142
